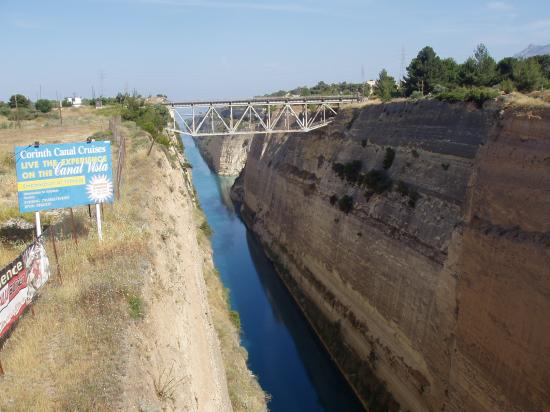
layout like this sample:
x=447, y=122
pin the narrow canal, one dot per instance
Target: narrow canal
x=284, y=352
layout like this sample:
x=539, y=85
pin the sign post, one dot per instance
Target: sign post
x=38, y=224
x=98, y=219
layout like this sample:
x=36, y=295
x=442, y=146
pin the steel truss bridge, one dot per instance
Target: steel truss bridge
x=267, y=115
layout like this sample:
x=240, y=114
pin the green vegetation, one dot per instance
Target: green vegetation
x=151, y=118
x=235, y=318
x=349, y=171
x=325, y=89
x=477, y=95
x=388, y=158
x=206, y=229
x=43, y=105
x=346, y=204
x=18, y=100
x=405, y=190
x=377, y=181
x=429, y=74
x=135, y=304
x=385, y=86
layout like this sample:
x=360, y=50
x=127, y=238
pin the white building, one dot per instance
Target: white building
x=76, y=101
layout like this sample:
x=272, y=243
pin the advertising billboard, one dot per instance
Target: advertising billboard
x=55, y=176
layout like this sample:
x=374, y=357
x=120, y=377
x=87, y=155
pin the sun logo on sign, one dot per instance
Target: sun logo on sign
x=99, y=188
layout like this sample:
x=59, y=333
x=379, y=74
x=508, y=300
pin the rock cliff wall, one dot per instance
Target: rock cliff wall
x=426, y=271
x=226, y=155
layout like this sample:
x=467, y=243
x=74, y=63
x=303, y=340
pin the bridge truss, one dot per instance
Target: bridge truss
x=268, y=115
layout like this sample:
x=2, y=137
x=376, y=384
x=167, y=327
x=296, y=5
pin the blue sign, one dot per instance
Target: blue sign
x=54, y=176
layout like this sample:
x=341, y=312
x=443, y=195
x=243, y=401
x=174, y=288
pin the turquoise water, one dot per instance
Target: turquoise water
x=288, y=358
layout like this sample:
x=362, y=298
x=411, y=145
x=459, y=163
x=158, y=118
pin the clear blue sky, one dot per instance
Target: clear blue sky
x=195, y=49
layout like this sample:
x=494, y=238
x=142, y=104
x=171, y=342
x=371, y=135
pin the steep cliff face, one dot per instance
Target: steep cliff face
x=226, y=155
x=431, y=292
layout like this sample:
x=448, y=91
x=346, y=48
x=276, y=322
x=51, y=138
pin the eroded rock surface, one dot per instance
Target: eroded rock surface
x=433, y=294
x=226, y=155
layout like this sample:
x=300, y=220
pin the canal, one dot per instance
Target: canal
x=284, y=352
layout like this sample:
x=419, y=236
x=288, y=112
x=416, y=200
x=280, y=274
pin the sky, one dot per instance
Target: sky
x=208, y=49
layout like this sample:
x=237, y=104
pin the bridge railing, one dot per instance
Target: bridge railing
x=258, y=115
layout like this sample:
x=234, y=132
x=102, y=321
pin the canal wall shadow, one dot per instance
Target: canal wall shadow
x=333, y=392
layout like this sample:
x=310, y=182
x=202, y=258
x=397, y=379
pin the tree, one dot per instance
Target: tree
x=385, y=86
x=478, y=70
x=527, y=75
x=450, y=72
x=505, y=68
x=66, y=103
x=22, y=101
x=424, y=72
x=43, y=105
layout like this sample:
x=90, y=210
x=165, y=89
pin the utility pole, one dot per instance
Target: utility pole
x=17, y=121
x=59, y=104
x=101, y=78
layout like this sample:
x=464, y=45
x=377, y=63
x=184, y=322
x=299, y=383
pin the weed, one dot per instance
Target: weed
x=206, y=229
x=166, y=383
x=333, y=199
x=445, y=166
x=235, y=318
x=136, y=307
x=414, y=153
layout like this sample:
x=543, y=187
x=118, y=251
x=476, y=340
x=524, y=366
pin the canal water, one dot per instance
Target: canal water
x=288, y=358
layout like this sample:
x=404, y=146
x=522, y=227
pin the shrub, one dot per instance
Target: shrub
x=43, y=105
x=151, y=118
x=413, y=197
x=66, y=103
x=5, y=111
x=21, y=101
x=438, y=89
x=206, y=229
x=477, y=95
x=22, y=114
x=402, y=188
x=507, y=86
x=445, y=166
x=235, y=319
x=333, y=199
x=414, y=153
x=346, y=204
x=417, y=94
x=388, y=158
x=136, y=309
x=349, y=171
x=377, y=181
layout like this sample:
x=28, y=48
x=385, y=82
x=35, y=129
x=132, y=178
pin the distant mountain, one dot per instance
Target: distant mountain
x=533, y=50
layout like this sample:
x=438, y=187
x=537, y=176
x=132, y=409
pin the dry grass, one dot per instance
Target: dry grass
x=69, y=356
x=535, y=100
x=244, y=390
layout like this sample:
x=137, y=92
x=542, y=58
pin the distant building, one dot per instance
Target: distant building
x=75, y=101
x=371, y=83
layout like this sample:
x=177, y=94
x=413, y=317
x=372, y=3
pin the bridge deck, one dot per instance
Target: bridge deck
x=268, y=101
